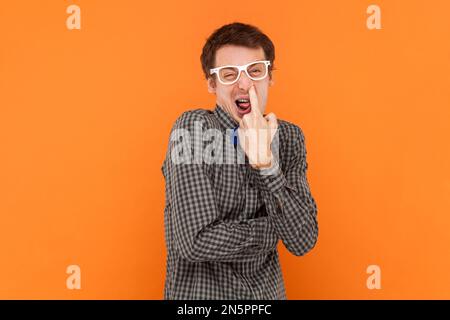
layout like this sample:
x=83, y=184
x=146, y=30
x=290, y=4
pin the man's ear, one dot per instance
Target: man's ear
x=211, y=85
x=271, y=81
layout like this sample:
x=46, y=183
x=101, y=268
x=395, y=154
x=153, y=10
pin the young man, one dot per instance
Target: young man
x=223, y=219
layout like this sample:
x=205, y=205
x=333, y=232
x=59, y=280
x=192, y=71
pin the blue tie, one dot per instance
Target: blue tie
x=234, y=137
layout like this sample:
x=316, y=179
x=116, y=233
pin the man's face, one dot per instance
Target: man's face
x=226, y=95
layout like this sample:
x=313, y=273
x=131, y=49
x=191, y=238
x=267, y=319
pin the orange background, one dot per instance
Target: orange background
x=85, y=117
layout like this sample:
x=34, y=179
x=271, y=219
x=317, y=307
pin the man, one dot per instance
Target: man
x=223, y=220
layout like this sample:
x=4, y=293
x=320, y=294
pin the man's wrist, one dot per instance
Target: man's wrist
x=271, y=178
x=264, y=165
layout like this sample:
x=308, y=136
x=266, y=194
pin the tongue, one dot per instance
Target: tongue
x=244, y=104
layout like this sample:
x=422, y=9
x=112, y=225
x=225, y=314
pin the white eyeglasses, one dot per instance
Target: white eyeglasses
x=257, y=70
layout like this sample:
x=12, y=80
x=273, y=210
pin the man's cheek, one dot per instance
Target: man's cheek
x=221, y=97
x=226, y=98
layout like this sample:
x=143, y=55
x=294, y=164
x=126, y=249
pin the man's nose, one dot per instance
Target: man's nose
x=244, y=81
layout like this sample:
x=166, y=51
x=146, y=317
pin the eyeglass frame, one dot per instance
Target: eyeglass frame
x=240, y=69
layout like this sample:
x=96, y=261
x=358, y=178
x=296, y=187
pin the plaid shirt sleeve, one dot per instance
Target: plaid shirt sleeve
x=288, y=199
x=200, y=234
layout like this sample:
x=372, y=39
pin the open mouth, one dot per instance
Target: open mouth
x=243, y=105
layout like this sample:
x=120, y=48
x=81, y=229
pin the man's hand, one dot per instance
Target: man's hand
x=256, y=133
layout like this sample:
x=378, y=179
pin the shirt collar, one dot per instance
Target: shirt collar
x=225, y=119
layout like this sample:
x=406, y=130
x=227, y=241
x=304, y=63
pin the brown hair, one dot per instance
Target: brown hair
x=238, y=34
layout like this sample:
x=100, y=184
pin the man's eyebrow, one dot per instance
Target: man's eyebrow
x=238, y=65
